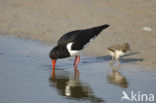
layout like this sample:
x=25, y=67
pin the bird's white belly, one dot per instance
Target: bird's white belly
x=119, y=53
x=72, y=52
x=112, y=53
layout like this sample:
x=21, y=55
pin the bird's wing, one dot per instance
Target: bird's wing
x=115, y=47
x=110, y=49
x=86, y=36
x=81, y=41
x=68, y=38
x=80, y=38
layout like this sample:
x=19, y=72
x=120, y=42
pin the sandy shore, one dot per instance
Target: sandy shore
x=47, y=20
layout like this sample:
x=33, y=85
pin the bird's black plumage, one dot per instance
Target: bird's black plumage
x=80, y=38
x=59, y=52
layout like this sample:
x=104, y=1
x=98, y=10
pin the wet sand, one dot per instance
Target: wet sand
x=48, y=20
x=25, y=76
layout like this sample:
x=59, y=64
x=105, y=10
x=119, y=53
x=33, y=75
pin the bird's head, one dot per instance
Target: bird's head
x=54, y=55
x=127, y=47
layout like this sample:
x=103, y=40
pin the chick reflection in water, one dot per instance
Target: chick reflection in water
x=117, y=78
x=70, y=86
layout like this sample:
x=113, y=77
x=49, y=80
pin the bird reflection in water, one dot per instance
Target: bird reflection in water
x=117, y=78
x=71, y=87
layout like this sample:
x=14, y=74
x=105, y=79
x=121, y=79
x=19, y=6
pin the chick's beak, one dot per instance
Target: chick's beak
x=53, y=62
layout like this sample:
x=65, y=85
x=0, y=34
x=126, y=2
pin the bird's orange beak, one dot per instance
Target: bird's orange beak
x=53, y=62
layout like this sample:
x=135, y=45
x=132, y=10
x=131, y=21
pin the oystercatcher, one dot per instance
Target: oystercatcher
x=118, y=50
x=72, y=42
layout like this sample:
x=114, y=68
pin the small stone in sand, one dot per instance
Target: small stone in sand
x=147, y=29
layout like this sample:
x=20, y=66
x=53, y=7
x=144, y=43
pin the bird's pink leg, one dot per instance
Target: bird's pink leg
x=75, y=60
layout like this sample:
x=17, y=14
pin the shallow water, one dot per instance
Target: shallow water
x=26, y=77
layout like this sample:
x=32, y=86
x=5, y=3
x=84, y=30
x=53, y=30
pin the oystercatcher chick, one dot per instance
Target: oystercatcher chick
x=118, y=50
x=72, y=42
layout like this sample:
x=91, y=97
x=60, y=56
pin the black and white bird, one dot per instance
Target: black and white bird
x=118, y=50
x=72, y=42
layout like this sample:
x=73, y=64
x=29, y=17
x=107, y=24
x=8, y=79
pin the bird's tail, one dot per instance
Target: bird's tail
x=98, y=29
x=104, y=26
x=110, y=49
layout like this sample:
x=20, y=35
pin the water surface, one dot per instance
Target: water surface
x=26, y=76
